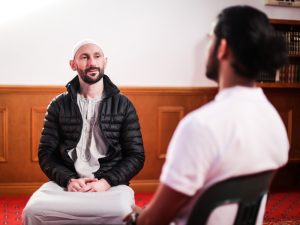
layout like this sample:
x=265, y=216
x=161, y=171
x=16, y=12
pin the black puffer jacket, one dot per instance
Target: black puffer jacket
x=119, y=124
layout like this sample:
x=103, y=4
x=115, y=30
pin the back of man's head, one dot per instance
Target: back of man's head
x=256, y=46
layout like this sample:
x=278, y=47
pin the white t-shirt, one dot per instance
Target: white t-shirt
x=238, y=133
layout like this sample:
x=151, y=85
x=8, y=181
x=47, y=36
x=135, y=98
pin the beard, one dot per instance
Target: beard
x=91, y=77
x=212, y=66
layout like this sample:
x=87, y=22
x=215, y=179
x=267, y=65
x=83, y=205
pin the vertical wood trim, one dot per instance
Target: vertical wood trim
x=35, y=131
x=4, y=146
x=161, y=154
x=290, y=125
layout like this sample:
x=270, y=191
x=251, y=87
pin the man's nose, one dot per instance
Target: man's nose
x=91, y=62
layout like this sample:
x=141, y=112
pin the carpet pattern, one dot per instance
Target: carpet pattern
x=282, y=208
x=11, y=209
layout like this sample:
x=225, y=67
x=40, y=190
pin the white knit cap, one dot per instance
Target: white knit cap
x=83, y=42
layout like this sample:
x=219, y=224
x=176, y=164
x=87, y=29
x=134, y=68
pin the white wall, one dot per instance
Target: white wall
x=147, y=42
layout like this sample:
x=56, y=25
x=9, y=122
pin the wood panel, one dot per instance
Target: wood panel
x=159, y=110
x=168, y=118
x=286, y=101
x=22, y=110
x=287, y=118
x=37, y=123
x=150, y=102
x=3, y=134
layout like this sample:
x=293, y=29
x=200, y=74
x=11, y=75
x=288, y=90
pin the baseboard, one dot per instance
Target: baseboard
x=18, y=188
x=142, y=186
x=28, y=188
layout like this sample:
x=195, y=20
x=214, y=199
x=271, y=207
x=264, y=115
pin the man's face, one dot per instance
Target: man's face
x=212, y=62
x=90, y=63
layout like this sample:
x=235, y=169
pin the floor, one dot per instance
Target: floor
x=283, y=208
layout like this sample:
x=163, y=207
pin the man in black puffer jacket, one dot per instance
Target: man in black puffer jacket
x=91, y=142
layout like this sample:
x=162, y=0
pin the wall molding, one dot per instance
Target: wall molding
x=27, y=188
x=3, y=134
x=144, y=185
x=19, y=188
x=166, y=126
x=37, y=115
x=290, y=124
x=30, y=89
x=40, y=89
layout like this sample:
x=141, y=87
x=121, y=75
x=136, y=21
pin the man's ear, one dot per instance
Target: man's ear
x=223, y=49
x=72, y=64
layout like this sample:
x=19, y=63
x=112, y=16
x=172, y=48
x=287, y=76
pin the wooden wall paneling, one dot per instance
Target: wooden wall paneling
x=19, y=101
x=162, y=105
x=22, y=112
x=296, y=126
x=146, y=104
x=286, y=101
x=37, y=123
x=287, y=118
x=147, y=185
x=3, y=134
x=17, y=125
x=168, y=118
x=19, y=188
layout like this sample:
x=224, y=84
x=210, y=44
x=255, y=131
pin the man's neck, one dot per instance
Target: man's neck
x=228, y=78
x=90, y=91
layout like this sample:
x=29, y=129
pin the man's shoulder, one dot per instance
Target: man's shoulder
x=61, y=97
x=121, y=96
x=204, y=117
x=209, y=109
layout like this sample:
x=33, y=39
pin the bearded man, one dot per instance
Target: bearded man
x=238, y=133
x=91, y=146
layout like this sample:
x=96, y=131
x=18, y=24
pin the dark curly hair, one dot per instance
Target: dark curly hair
x=256, y=46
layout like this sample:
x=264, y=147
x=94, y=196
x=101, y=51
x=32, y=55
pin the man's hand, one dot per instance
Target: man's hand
x=162, y=208
x=132, y=217
x=80, y=184
x=98, y=186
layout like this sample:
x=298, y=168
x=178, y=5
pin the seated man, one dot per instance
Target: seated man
x=238, y=133
x=91, y=146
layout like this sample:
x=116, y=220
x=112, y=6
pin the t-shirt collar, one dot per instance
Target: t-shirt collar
x=238, y=91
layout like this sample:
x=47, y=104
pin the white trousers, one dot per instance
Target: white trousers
x=52, y=205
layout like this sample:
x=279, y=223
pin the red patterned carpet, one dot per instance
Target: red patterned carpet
x=282, y=208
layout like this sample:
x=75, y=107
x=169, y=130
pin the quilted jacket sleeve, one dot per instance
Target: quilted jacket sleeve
x=49, y=158
x=133, y=156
